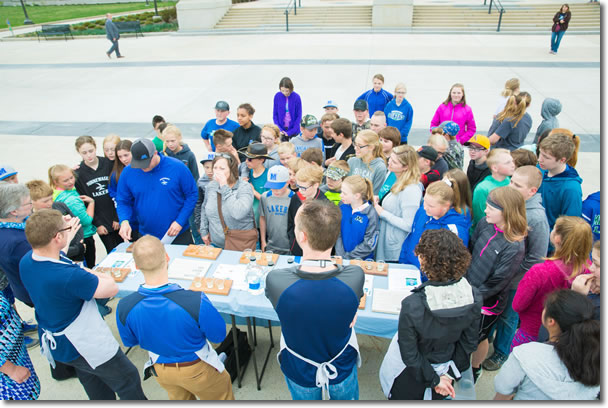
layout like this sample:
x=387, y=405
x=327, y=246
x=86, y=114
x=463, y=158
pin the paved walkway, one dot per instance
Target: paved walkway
x=56, y=90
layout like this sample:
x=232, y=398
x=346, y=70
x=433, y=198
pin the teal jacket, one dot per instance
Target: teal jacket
x=71, y=198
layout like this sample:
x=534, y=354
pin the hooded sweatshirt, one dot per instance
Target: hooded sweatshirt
x=94, y=183
x=534, y=371
x=550, y=109
x=452, y=220
x=534, y=287
x=375, y=171
x=72, y=199
x=562, y=194
x=477, y=173
x=187, y=157
x=591, y=213
x=201, y=185
x=376, y=101
x=358, y=232
x=400, y=116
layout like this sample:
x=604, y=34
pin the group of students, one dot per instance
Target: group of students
x=358, y=190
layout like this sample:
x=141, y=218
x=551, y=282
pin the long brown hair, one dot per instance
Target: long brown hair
x=408, y=157
x=462, y=191
x=513, y=212
x=463, y=101
x=576, y=243
x=515, y=109
x=118, y=166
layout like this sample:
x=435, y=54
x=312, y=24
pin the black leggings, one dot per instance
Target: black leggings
x=89, y=251
x=407, y=387
x=111, y=240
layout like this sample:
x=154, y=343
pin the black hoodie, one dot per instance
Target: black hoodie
x=94, y=183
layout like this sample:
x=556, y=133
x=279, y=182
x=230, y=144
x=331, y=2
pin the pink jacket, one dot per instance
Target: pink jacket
x=537, y=283
x=462, y=115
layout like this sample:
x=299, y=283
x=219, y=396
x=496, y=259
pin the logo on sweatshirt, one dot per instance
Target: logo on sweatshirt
x=164, y=181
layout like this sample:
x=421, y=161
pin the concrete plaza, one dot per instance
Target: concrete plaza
x=56, y=90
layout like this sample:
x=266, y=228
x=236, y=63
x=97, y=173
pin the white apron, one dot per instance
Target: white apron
x=206, y=354
x=325, y=371
x=393, y=365
x=89, y=334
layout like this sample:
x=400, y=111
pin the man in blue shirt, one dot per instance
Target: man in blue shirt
x=157, y=191
x=376, y=98
x=221, y=121
x=174, y=325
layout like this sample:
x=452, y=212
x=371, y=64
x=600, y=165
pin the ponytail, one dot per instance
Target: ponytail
x=360, y=185
x=515, y=109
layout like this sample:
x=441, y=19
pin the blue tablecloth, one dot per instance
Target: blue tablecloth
x=243, y=304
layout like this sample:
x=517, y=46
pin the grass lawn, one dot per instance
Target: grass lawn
x=45, y=14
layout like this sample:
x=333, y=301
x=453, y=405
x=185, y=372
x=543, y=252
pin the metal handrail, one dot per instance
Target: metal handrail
x=295, y=11
x=502, y=10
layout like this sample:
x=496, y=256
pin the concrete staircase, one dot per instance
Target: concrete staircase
x=529, y=19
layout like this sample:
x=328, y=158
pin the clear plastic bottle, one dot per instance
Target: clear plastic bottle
x=254, y=277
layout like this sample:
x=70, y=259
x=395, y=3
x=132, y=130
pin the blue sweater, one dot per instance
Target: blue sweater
x=400, y=117
x=358, y=232
x=561, y=194
x=591, y=213
x=376, y=101
x=169, y=321
x=13, y=245
x=452, y=220
x=165, y=194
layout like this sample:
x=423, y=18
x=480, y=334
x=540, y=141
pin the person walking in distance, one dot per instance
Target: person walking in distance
x=113, y=35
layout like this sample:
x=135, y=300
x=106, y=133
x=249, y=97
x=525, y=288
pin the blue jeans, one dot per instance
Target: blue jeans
x=346, y=390
x=556, y=38
x=506, y=327
x=114, y=48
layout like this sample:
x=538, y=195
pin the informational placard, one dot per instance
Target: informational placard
x=388, y=301
x=403, y=279
x=236, y=273
x=188, y=269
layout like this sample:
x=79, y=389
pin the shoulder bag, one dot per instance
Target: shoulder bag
x=237, y=240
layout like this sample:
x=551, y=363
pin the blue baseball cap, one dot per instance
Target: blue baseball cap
x=278, y=176
x=330, y=104
x=6, y=171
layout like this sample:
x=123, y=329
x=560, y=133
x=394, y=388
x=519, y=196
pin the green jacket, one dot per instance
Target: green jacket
x=71, y=198
x=480, y=195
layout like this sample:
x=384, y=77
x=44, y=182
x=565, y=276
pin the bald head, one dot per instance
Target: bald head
x=150, y=256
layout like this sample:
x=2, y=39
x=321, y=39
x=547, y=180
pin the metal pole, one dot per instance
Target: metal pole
x=499, y=20
x=286, y=20
x=27, y=18
x=155, y=9
x=300, y=3
x=295, y=11
x=490, y=9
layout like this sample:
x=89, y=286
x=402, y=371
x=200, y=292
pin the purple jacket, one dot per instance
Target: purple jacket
x=463, y=115
x=295, y=111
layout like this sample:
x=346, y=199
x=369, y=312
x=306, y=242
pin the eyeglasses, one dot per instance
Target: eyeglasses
x=65, y=229
x=302, y=187
x=27, y=204
x=360, y=147
x=267, y=138
x=476, y=149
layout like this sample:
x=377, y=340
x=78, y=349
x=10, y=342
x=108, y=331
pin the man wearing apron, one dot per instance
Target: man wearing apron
x=174, y=325
x=317, y=304
x=70, y=327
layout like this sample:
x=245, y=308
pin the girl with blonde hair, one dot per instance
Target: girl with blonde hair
x=271, y=138
x=459, y=182
x=497, y=248
x=359, y=226
x=398, y=202
x=511, y=88
x=573, y=240
x=510, y=128
x=369, y=161
x=109, y=146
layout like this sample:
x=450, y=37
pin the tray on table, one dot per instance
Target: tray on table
x=370, y=268
x=202, y=251
x=214, y=290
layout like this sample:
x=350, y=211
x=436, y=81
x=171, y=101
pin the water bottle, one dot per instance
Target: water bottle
x=465, y=388
x=254, y=277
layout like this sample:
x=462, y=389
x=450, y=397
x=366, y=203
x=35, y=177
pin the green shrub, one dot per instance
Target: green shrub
x=169, y=14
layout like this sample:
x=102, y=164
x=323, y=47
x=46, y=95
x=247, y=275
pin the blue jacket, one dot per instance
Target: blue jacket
x=400, y=117
x=155, y=199
x=376, y=101
x=452, y=220
x=562, y=194
x=169, y=321
x=358, y=232
x=591, y=213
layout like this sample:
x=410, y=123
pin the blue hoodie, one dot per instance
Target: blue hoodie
x=562, y=194
x=452, y=220
x=358, y=232
x=591, y=213
x=165, y=194
x=400, y=117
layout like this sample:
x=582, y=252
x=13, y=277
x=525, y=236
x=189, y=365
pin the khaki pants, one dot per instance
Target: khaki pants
x=199, y=380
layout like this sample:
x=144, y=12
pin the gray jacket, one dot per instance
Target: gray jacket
x=237, y=208
x=537, y=240
x=396, y=221
x=374, y=172
x=550, y=109
x=111, y=30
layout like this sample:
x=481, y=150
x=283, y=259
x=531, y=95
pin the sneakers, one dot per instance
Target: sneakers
x=29, y=328
x=31, y=342
x=476, y=374
x=120, y=56
x=494, y=362
x=552, y=52
x=108, y=54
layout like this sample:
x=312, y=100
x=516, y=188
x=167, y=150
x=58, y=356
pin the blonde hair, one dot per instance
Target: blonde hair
x=174, y=130
x=576, y=243
x=437, y=139
x=149, y=254
x=511, y=86
x=407, y=157
x=296, y=164
x=112, y=137
x=54, y=172
x=494, y=155
x=39, y=189
x=360, y=185
x=513, y=212
x=286, y=148
x=310, y=174
x=276, y=132
x=441, y=191
x=400, y=85
x=534, y=177
x=515, y=109
x=463, y=201
x=371, y=138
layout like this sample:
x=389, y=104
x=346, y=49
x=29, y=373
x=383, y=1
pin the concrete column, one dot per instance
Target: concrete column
x=193, y=15
x=391, y=13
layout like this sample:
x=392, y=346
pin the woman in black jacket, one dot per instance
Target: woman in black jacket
x=560, y=25
x=438, y=324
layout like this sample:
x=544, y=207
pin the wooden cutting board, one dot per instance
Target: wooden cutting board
x=370, y=268
x=214, y=290
x=202, y=251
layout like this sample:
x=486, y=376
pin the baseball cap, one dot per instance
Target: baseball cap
x=449, y=127
x=142, y=152
x=479, y=140
x=335, y=173
x=6, y=171
x=330, y=104
x=208, y=156
x=222, y=105
x=309, y=122
x=428, y=153
x=360, y=105
x=278, y=176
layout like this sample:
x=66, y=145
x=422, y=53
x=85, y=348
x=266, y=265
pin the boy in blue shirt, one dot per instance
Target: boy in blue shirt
x=221, y=121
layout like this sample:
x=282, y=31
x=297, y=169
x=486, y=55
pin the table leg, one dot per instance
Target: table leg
x=255, y=363
x=255, y=334
x=239, y=375
x=127, y=352
x=269, y=350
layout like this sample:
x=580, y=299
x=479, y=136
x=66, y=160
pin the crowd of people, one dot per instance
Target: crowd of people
x=507, y=249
